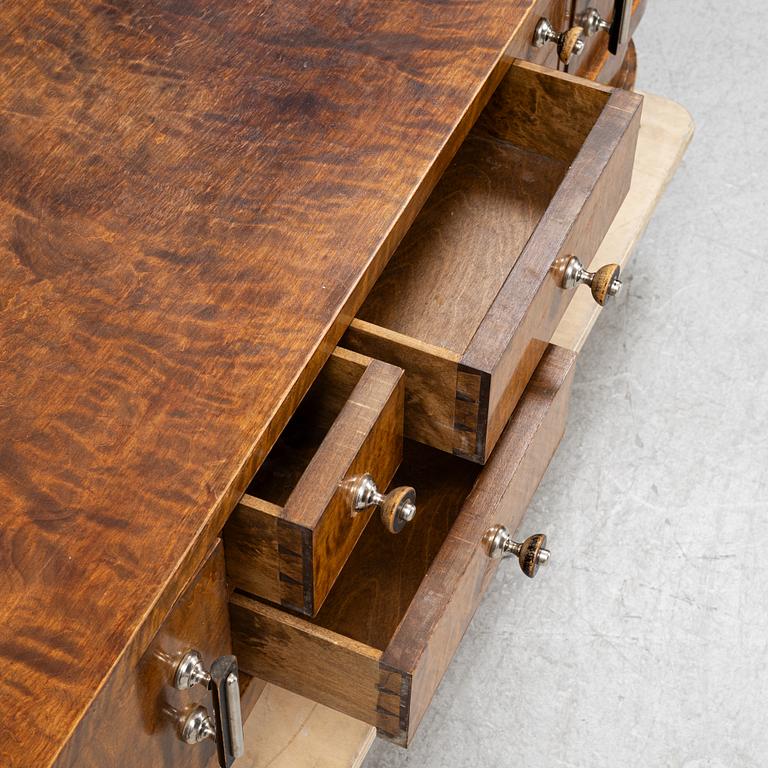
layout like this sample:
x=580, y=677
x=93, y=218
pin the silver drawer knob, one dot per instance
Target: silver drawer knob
x=619, y=30
x=397, y=507
x=592, y=22
x=530, y=554
x=196, y=726
x=569, y=43
x=604, y=283
x=226, y=725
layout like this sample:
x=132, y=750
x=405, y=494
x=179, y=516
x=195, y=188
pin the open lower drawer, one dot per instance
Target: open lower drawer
x=470, y=299
x=294, y=528
x=382, y=641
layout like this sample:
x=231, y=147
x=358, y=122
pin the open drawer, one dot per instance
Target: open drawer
x=469, y=301
x=294, y=528
x=382, y=641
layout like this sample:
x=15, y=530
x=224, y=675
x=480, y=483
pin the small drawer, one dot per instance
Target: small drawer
x=294, y=528
x=136, y=719
x=380, y=645
x=471, y=298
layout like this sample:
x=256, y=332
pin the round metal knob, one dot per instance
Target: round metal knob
x=530, y=554
x=604, y=283
x=397, y=507
x=569, y=43
x=592, y=22
x=190, y=672
x=196, y=726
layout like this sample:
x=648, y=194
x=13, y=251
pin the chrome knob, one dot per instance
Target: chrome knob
x=530, y=554
x=592, y=22
x=397, y=507
x=569, y=43
x=619, y=30
x=226, y=725
x=604, y=282
x=196, y=726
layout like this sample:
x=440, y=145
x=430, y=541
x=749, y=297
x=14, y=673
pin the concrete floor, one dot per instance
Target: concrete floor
x=646, y=642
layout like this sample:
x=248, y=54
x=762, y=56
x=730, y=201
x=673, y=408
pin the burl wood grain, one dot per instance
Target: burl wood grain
x=133, y=723
x=351, y=423
x=194, y=199
x=380, y=644
x=470, y=299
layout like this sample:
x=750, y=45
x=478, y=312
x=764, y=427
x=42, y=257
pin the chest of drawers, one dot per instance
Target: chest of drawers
x=286, y=276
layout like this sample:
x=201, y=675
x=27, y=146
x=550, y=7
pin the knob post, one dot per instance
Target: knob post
x=531, y=554
x=603, y=283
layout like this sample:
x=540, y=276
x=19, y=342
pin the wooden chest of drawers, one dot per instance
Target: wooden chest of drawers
x=297, y=296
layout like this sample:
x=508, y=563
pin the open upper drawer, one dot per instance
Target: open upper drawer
x=294, y=528
x=388, y=630
x=470, y=299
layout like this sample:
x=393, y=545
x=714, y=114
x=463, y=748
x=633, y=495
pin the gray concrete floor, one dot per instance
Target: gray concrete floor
x=646, y=642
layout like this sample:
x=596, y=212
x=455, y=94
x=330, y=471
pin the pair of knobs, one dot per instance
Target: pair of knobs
x=398, y=507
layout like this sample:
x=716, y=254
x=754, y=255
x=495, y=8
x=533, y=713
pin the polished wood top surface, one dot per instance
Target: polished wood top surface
x=194, y=199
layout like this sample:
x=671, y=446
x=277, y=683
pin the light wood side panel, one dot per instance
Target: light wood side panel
x=430, y=385
x=290, y=731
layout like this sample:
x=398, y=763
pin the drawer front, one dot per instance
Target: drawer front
x=469, y=301
x=132, y=722
x=294, y=529
x=386, y=634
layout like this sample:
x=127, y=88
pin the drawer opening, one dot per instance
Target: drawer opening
x=456, y=304
x=380, y=644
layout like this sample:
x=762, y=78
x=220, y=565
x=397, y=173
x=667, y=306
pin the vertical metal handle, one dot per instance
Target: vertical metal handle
x=621, y=26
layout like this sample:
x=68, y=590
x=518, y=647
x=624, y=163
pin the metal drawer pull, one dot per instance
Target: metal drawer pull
x=619, y=29
x=531, y=554
x=397, y=507
x=569, y=43
x=226, y=725
x=604, y=283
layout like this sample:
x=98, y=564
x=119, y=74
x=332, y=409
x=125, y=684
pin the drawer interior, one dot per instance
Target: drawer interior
x=456, y=291
x=382, y=640
x=293, y=529
x=309, y=426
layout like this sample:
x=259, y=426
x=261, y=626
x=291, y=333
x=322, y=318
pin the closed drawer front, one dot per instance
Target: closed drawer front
x=378, y=648
x=136, y=718
x=294, y=529
x=470, y=299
